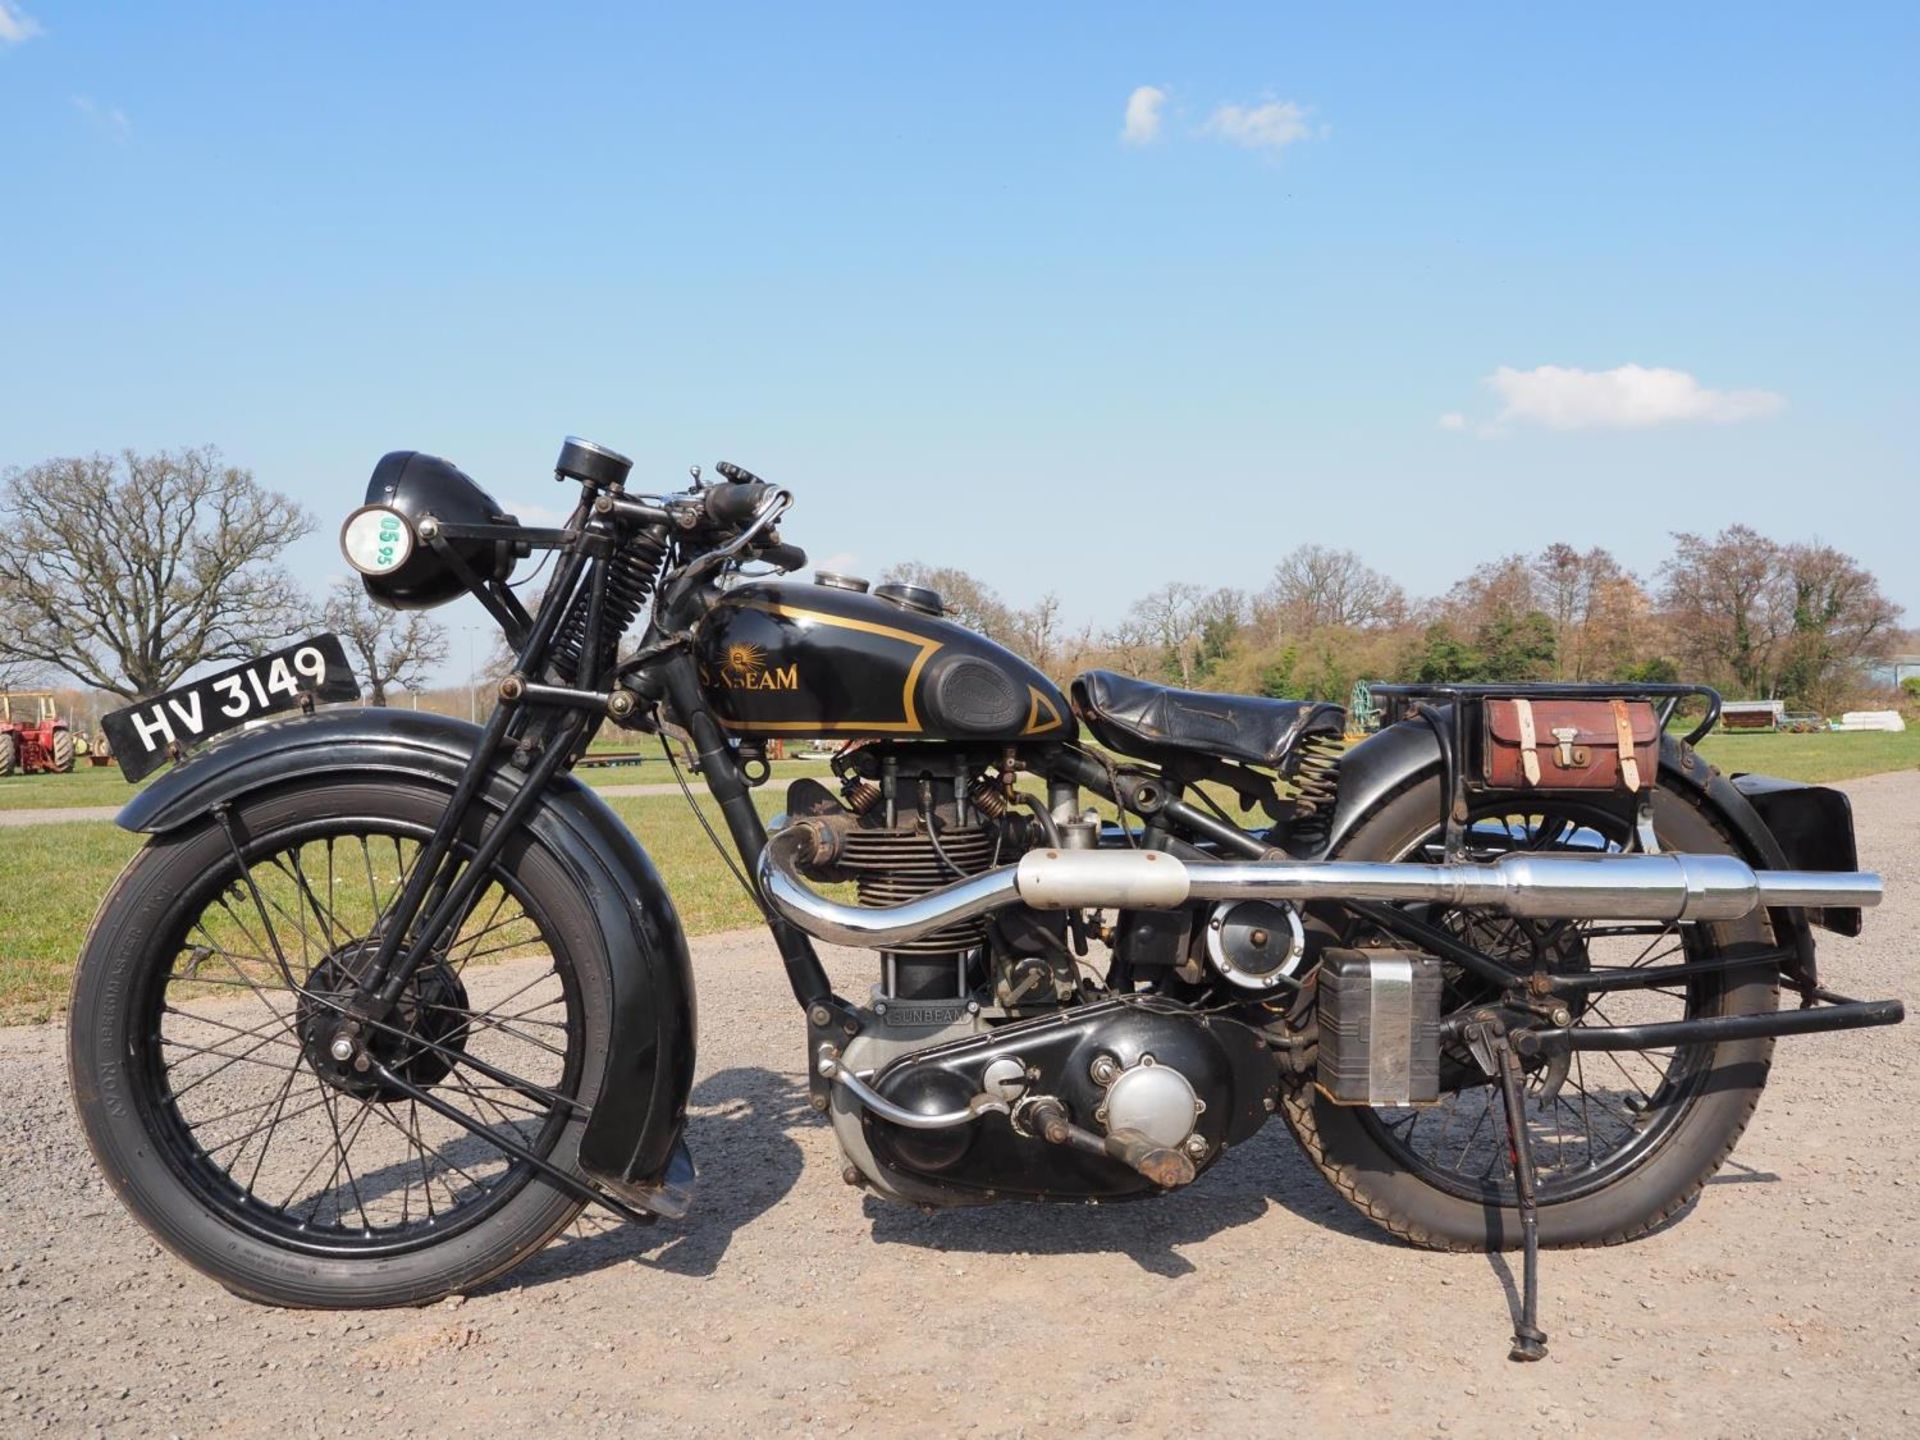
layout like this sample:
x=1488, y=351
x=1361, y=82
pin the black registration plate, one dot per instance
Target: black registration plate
x=147, y=735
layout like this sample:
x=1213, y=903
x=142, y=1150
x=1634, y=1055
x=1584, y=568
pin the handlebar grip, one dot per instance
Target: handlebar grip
x=738, y=474
x=734, y=504
x=782, y=556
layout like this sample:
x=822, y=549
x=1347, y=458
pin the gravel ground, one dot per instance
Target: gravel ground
x=1783, y=1303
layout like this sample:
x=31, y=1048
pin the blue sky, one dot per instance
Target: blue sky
x=1366, y=276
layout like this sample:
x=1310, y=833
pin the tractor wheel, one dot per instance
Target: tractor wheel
x=63, y=751
x=8, y=752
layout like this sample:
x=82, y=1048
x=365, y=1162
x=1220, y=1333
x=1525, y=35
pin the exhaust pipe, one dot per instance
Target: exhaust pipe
x=1540, y=887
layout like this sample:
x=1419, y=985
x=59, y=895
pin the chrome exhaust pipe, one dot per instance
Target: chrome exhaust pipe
x=875, y=927
x=1534, y=887
x=1661, y=888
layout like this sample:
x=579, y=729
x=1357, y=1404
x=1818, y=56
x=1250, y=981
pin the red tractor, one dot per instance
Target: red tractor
x=34, y=748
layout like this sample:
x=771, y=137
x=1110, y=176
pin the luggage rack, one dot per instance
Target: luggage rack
x=1446, y=708
x=1402, y=700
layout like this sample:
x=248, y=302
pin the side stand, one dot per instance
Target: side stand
x=1487, y=1038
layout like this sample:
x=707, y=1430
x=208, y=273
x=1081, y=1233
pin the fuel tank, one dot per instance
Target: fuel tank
x=789, y=658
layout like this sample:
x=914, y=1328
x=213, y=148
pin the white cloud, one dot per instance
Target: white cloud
x=1143, y=115
x=109, y=120
x=1627, y=397
x=16, y=26
x=1453, y=420
x=1272, y=126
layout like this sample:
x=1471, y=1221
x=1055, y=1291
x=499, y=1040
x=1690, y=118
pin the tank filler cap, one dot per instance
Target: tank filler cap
x=833, y=580
x=911, y=597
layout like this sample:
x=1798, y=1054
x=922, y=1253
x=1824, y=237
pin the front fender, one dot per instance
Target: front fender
x=1387, y=762
x=641, y=1109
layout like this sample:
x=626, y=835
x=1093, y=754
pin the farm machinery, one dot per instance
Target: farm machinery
x=37, y=746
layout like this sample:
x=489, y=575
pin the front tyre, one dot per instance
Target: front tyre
x=203, y=984
x=1624, y=1139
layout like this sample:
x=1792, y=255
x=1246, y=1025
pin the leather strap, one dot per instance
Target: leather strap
x=1623, y=730
x=1529, y=740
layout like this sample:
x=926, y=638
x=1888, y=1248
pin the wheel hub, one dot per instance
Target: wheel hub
x=348, y=1055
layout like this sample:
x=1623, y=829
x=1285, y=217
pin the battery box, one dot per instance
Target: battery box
x=1379, y=1027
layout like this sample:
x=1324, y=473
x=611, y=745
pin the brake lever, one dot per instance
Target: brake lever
x=677, y=583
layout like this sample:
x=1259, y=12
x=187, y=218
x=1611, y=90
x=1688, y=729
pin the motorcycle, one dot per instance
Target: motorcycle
x=387, y=998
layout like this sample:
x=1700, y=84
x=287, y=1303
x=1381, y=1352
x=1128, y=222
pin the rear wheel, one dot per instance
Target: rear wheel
x=63, y=751
x=1621, y=1140
x=202, y=1010
x=9, y=752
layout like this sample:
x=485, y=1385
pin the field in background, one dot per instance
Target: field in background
x=1828, y=755
x=52, y=876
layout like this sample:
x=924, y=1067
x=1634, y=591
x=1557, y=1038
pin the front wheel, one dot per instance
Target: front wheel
x=200, y=1017
x=1621, y=1140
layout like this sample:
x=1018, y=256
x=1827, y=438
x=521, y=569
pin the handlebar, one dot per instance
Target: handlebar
x=782, y=556
x=739, y=499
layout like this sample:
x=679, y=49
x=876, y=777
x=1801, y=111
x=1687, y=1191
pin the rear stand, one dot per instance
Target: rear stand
x=1487, y=1038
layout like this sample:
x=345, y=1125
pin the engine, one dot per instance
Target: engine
x=910, y=820
x=1092, y=1095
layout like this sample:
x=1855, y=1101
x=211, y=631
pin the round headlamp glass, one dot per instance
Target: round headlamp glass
x=377, y=540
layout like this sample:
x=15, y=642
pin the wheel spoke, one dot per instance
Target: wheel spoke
x=344, y=1158
x=1584, y=1130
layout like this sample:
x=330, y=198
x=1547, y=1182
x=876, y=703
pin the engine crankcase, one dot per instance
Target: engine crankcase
x=1081, y=1057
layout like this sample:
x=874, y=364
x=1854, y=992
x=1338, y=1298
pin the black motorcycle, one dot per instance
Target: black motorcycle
x=386, y=998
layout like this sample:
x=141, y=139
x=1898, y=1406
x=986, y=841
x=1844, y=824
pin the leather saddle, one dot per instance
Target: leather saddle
x=1140, y=718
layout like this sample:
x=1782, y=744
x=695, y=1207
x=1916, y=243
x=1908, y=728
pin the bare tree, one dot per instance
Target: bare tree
x=14, y=674
x=973, y=603
x=392, y=647
x=1598, y=610
x=1500, y=590
x=128, y=574
x=1037, y=632
x=1731, y=607
x=1316, y=588
x=1190, y=626
x=1840, y=618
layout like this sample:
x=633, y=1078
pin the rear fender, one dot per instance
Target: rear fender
x=1402, y=755
x=641, y=1107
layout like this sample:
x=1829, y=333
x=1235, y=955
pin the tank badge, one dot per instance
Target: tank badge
x=745, y=668
x=1042, y=715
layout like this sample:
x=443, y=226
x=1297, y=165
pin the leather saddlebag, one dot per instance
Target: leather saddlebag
x=1570, y=744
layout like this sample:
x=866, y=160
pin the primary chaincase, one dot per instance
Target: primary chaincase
x=1142, y=1064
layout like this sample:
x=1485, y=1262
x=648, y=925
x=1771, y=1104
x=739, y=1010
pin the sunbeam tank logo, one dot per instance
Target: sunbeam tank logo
x=744, y=667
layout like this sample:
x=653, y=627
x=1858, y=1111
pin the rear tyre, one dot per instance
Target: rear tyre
x=1689, y=1106
x=8, y=752
x=200, y=1086
x=63, y=751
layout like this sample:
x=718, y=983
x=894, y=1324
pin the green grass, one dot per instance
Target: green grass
x=52, y=878
x=84, y=786
x=1820, y=757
